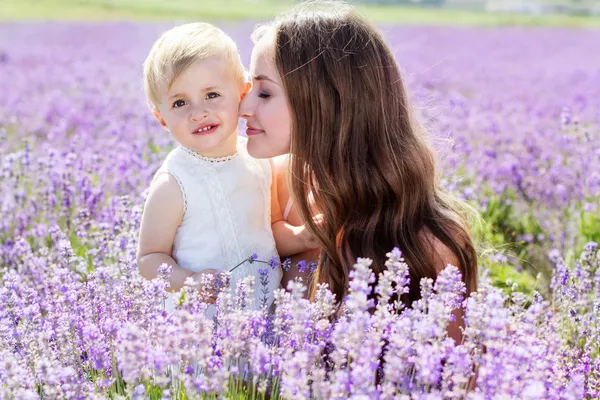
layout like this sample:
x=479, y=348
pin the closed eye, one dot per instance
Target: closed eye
x=264, y=95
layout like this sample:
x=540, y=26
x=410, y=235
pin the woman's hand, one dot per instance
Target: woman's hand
x=306, y=237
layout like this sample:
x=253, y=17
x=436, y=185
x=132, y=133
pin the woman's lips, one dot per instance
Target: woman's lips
x=253, y=131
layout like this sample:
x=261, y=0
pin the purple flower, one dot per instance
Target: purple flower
x=274, y=262
x=590, y=247
x=302, y=265
x=517, y=137
x=287, y=264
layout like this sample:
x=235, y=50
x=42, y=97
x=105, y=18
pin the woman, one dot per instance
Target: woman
x=327, y=90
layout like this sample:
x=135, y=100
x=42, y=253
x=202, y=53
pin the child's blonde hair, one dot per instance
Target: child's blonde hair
x=178, y=48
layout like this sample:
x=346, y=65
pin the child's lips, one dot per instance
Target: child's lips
x=205, y=129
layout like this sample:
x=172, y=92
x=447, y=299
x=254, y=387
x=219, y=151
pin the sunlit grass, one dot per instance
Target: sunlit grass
x=236, y=10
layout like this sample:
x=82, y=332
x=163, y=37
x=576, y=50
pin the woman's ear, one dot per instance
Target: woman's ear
x=159, y=117
x=245, y=90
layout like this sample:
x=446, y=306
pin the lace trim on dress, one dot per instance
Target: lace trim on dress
x=181, y=188
x=210, y=159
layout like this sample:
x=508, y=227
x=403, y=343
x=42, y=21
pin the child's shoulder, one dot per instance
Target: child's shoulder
x=172, y=156
x=180, y=161
x=170, y=173
x=165, y=188
x=169, y=159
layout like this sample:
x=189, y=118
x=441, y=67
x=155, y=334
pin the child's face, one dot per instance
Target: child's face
x=265, y=107
x=200, y=109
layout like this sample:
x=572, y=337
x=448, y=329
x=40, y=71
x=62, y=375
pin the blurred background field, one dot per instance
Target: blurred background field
x=430, y=12
x=507, y=91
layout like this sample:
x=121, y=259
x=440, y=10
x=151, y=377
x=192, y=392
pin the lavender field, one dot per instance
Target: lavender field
x=515, y=115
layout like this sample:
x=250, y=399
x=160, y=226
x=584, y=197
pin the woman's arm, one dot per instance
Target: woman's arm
x=289, y=239
x=442, y=256
x=282, y=194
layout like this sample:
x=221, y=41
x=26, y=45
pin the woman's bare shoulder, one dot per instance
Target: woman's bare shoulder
x=280, y=170
x=281, y=162
x=440, y=254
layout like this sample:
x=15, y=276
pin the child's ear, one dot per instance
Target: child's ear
x=159, y=117
x=245, y=90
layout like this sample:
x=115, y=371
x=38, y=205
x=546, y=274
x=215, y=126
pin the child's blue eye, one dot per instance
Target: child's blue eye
x=264, y=95
x=179, y=103
x=212, y=95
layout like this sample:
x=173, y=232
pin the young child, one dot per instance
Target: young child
x=209, y=205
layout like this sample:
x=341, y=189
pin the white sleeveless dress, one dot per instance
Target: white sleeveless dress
x=226, y=216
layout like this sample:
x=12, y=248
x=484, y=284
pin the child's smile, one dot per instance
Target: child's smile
x=205, y=129
x=200, y=109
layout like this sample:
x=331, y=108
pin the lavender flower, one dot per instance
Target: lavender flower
x=516, y=132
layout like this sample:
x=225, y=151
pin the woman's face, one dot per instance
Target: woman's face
x=265, y=107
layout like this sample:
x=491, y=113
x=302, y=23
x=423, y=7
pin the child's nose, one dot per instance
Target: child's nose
x=198, y=112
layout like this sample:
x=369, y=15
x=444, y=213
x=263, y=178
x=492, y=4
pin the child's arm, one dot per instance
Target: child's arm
x=289, y=239
x=162, y=216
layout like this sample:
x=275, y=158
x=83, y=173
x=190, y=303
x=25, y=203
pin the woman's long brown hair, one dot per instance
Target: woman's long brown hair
x=357, y=149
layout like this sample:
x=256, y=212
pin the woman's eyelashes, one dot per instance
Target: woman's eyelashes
x=259, y=86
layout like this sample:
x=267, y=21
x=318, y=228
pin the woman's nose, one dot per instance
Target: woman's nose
x=246, y=106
